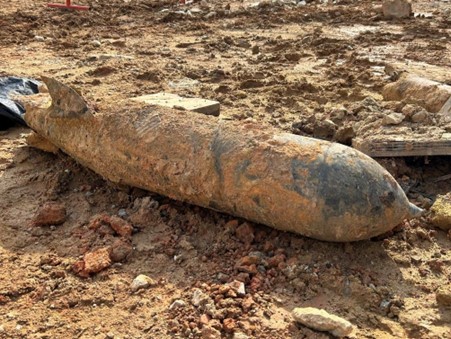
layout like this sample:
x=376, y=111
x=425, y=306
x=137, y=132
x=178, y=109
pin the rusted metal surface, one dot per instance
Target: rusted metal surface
x=319, y=189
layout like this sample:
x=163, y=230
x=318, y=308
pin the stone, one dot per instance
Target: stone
x=245, y=232
x=443, y=295
x=204, y=319
x=238, y=286
x=144, y=209
x=412, y=89
x=142, y=282
x=247, y=304
x=209, y=332
x=256, y=282
x=338, y=113
x=198, y=297
x=39, y=38
x=51, y=213
x=229, y=325
x=119, y=225
x=36, y=141
x=177, y=304
x=393, y=119
x=321, y=320
x=345, y=134
x=210, y=15
x=419, y=116
x=409, y=110
x=441, y=212
x=97, y=260
x=185, y=244
x=397, y=9
x=325, y=129
x=222, y=277
x=122, y=213
x=96, y=43
x=293, y=57
x=207, y=107
x=231, y=226
x=239, y=335
x=120, y=250
x=276, y=260
x=248, y=260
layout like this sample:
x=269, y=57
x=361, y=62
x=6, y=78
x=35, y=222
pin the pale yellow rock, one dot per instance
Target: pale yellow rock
x=441, y=212
x=142, y=282
x=321, y=320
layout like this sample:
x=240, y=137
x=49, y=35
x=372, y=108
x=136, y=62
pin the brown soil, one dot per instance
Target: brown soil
x=274, y=64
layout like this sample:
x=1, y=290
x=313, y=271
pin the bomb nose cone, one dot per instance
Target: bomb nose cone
x=414, y=211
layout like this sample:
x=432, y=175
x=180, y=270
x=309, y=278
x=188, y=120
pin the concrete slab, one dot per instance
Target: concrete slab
x=208, y=107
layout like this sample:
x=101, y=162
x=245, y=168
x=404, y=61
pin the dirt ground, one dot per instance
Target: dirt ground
x=314, y=69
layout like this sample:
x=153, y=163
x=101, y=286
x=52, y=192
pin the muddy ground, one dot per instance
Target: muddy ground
x=313, y=69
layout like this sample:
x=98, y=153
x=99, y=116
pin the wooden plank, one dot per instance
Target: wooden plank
x=383, y=147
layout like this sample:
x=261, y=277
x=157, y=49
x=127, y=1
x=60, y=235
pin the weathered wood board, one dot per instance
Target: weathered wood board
x=384, y=147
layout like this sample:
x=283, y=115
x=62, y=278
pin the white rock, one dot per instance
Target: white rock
x=96, y=43
x=39, y=38
x=322, y=321
x=177, y=304
x=393, y=119
x=142, y=281
x=239, y=335
x=210, y=15
x=198, y=296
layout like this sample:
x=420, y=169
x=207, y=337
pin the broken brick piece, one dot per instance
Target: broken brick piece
x=119, y=225
x=97, y=261
x=51, y=213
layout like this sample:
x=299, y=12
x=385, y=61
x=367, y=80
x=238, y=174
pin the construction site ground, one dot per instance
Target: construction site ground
x=313, y=69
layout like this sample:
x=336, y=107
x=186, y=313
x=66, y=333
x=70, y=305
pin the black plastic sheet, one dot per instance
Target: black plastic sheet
x=11, y=111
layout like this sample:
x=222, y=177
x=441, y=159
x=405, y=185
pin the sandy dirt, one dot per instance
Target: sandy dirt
x=315, y=70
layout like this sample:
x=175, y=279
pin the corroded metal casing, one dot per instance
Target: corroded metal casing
x=316, y=188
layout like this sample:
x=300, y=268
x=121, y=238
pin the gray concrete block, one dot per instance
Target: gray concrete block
x=205, y=106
